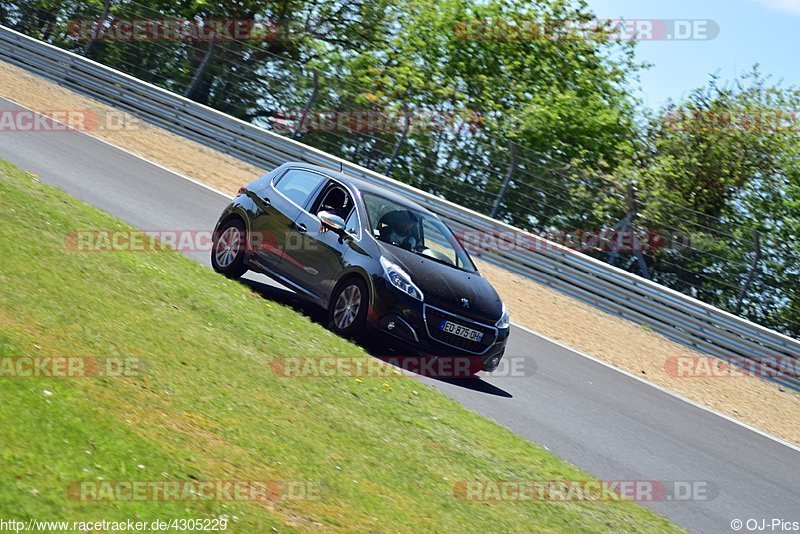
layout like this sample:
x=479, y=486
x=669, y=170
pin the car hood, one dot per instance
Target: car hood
x=444, y=286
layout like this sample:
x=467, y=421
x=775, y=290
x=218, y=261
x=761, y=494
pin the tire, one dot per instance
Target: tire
x=349, y=323
x=226, y=257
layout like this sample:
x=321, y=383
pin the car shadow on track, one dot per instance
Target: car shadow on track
x=477, y=384
x=377, y=346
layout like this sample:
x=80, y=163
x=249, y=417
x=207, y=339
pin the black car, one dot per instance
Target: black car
x=372, y=258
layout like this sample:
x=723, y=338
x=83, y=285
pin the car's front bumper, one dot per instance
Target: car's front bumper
x=417, y=325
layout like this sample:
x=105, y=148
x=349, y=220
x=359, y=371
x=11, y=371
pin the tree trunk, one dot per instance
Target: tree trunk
x=201, y=69
x=103, y=18
x=512, y=165
x=313, y=98
x=396, y=150
x=751, y=275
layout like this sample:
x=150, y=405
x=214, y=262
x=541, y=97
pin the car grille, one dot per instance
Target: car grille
x=433, y=322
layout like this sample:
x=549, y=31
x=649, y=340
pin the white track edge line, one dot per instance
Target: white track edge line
x=660, y=388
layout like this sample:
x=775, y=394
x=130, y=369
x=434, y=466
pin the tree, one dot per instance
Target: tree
x=722, y=167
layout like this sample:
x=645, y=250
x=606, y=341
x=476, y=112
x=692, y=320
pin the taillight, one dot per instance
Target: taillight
x=242, y=190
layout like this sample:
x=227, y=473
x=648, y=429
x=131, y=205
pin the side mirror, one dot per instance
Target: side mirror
x=334, y=222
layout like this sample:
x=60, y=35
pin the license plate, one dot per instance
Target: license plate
x=462, y=331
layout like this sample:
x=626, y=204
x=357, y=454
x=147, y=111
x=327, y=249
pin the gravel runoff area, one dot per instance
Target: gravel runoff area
x=618, y=342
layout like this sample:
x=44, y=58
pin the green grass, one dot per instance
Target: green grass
x=385, y=452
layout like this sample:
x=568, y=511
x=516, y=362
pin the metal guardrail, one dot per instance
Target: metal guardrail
x=676, y=316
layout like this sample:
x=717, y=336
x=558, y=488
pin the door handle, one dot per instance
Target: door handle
x=266, y=201
x=301, y=228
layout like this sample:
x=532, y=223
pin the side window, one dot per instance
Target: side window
x=335, y=200
x=297, y=185
x=351, y=224
x=259, y=184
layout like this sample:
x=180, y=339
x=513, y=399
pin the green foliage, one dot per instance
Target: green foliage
x=720, y=167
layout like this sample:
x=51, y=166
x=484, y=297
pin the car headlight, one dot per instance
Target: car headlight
x=504, y=321
x=400, y=279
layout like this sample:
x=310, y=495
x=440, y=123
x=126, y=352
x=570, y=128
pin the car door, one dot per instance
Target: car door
x=279, y=204
x=314, y=256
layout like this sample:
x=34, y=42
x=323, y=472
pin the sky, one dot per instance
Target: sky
x=750, y=31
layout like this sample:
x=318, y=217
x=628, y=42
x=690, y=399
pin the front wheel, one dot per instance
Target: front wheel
x=348, y=310
x=227, y=251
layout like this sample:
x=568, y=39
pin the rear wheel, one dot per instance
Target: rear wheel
x=227, y=252
x=347, y=314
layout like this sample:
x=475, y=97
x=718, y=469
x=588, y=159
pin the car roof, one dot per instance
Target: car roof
x=361, y=185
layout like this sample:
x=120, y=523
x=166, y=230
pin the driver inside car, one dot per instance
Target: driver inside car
x=336, y=201
x=399, y=228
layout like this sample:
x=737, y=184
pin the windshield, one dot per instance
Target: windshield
x=401, y=226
